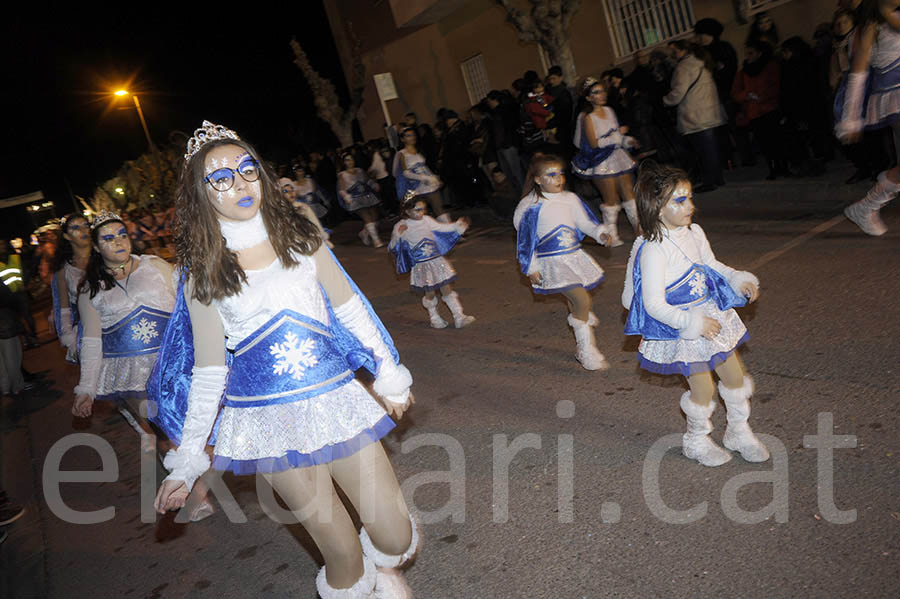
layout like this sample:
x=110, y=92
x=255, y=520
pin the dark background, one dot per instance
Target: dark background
x=64, y=132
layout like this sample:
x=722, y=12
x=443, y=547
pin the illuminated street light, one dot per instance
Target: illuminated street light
x=119, y=190
x=137, y=104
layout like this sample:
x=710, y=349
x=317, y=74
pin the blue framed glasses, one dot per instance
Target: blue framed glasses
x=223, y=179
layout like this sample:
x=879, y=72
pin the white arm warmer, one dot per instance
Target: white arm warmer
x=67, y=336
x=91, y=359
x=736, y=278
x=190, y=461
x=392, y=380
x=851, y=117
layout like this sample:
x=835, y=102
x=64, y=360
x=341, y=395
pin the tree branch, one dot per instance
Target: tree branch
x=524, y=24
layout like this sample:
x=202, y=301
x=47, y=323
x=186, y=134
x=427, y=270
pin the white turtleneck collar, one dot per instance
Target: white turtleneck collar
x=243, y=234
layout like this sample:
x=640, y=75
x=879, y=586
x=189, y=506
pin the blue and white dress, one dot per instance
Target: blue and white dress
x=420, y=251
x=549, y=233
x=416, y=177
x=308, y=193
x=134, y=315
x=670, y=285
x=610, y=158
x=356, y=190
x=877, y=104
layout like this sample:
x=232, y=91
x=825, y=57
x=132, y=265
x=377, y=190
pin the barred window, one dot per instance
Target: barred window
x=475, y=75
x=749, y=8
x=637, y=24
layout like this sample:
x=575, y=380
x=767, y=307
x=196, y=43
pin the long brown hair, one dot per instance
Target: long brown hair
x=97, y=277
x=539, y=162
x=655, y=185
x=199, y=244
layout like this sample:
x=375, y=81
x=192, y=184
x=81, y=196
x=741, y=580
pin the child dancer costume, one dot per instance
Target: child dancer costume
x=420, y=251
x=65, y=310
x=357, y=191
x=670, y=286
x=416, y=177
x=609, y=159
x=308, y=192
x=871, y=100
x=549, y=232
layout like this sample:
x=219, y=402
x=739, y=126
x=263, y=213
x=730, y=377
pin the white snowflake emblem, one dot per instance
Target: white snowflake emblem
x=293, y=358
x=426, y=250
x=566, y=238
x=145, y=330
x=698, y=283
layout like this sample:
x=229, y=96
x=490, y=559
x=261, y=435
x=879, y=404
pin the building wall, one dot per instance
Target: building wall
x=425, y=61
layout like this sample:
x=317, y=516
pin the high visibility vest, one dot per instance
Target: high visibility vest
x=11, y=273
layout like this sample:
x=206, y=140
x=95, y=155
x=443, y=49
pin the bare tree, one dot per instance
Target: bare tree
x=328, y=105
x=548, y=25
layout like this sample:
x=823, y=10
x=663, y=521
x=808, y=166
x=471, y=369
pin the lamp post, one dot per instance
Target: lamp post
x=137, y=104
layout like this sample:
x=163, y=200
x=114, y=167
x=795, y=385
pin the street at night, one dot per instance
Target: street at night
x=588, y=509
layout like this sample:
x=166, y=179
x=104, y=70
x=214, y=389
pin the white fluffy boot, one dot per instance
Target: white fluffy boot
x=696, y=443
x=630, y=208
x=738, y=436
x=610, y=216
x=586, y=350
x=364, y=588
x=372, y=230
x=389, y=581
x=445, y=218
x=864, y=213
x=459, y=318
x=432, y=306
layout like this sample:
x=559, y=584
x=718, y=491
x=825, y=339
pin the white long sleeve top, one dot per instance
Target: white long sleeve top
x=562, y=208
x=417, y=230
x=663, y=263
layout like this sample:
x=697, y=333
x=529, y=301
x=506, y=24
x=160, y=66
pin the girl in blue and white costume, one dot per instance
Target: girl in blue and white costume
x=358, y=194
x=72, y=256
x=419, y=244
x=603, y=158
x=412, y=174
x=290, y=191
x=680, y=299
x=550, y=223
x=871, y=100
x=270, y=332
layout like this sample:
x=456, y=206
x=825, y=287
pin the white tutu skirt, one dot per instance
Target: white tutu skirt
x=567, y=271
x=431, y=275
x=687, y=357
x=124, y=378
x=363, y=200
x=617, y=163
x=882, y=109
x=298, y=434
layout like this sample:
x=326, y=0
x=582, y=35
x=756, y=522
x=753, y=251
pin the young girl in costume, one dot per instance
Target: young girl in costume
x=419, y=244
x=871, y=100
x=290, y=191
x=603, y=158
x=550, y=223
x=412, y=174
x=71, y=260
x=680, y=299
x=266, y=336
x=309, y=192
x=358, y=194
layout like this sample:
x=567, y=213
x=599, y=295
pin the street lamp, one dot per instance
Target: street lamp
x=137, y=104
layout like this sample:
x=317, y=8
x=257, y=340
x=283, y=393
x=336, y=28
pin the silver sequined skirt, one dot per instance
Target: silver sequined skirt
x=431, y=275
x=561, y=273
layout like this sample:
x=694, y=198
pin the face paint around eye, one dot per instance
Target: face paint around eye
x=679, y=199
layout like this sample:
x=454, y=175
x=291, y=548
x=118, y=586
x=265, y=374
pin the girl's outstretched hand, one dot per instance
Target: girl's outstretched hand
x=535, y=278
x=711, y=327
x=750, y=290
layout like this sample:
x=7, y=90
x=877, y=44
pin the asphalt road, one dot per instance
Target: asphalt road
x=593, y=505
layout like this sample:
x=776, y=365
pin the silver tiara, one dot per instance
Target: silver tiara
x=206, y=133
x=588, y=83
x=103, y=217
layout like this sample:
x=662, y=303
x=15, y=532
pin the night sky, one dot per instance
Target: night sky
x=63, y=129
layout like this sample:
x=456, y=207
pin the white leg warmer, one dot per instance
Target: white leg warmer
x=445, y=218
x=864, y=213
x=389, y=582
x=630, y=208
x=586, y=350
x=459, y=318
x=372, y=230
x=696, y=444
x=432, y=306
x=610, y=216
x=364, y=588
x=738, y=436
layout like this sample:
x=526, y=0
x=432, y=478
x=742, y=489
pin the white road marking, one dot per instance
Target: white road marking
x=800, y=239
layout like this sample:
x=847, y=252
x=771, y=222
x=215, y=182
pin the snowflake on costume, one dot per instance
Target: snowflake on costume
x=292, y=358
x=698, y=283
x=427, y=250
x=144, y=330
x=566, y=238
